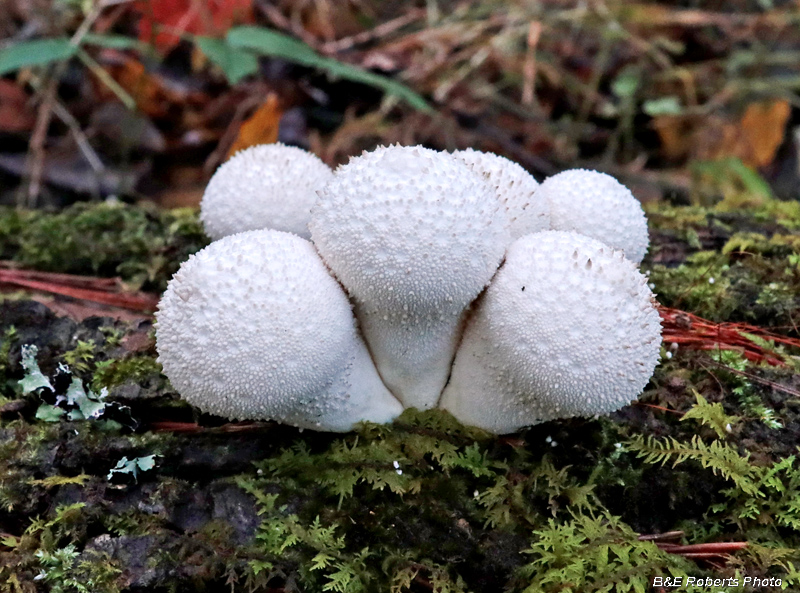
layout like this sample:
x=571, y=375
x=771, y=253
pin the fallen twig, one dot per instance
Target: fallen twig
x=691, y=331
x=136, y=301
x=193, y=428
x=529, y=67
x=382, y=30
x=659, y=536
x=36, y=151
x=276, y=17
x=757, y=379
x=663, y=409
x=708, y=548
x=709, y=552
x=90, y=282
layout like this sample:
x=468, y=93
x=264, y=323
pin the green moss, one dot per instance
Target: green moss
x=332, y=516
x=595, y=553
x=80, y=358
x=111, y=373
x=113, y=335
x=764, y=209
x=143, y=245
x=701, y=284
x=7, y=387
x=665, y=215
x=66, y=570
x=753, y=278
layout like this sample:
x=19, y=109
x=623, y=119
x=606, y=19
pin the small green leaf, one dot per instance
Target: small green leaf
x=75, y=392
x=34, y=379
x=235, y=63
x=271, y=43
x=91, y=408
x=90, y=405
x=49, y=413
x=670, y=105
x=35, y=53
x=123, y=467
x=146, y=463
x=750, y=178
x=133, y=466
x=626, y=84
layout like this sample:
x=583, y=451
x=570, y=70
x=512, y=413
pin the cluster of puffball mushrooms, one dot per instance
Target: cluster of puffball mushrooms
x=410, y=277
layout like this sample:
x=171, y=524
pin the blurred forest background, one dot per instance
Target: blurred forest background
x=142, y=100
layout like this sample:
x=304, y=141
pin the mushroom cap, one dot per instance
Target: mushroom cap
x=598, y=206
x=407, y=226
x=270, y=186
x=515, y=189
x=414, y=236
x=254, y=327
x=568, y=327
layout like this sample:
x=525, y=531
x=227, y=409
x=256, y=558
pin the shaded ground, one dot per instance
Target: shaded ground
x=196, y=503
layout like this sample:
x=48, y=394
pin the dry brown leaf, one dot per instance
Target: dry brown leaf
x=80, y=310
x=152, y=96
x=15, y=112
x=259, y=128
x=754, y=138
x=763, y=126
x=676, y=133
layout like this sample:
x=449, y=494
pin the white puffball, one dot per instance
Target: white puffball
x=270, y=186
x=515, y=188
x=414, y=236
x=598, y=206
x=568, y=327
x=254, y=327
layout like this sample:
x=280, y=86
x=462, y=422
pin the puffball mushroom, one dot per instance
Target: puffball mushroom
x=414, y=236
x=598, y=206
x=254, y=327
x=568, y=327
x=515, y=188
x=270, y=186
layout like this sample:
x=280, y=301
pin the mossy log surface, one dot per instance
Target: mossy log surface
x=197, y=504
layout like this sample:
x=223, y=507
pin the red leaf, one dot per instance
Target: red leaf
x=163, y=21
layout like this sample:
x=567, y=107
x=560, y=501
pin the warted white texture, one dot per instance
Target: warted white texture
x=254, y=327
x=515, y=188
x=598, y=206
x=270, y=186
x=414, y=236
x=568, y=327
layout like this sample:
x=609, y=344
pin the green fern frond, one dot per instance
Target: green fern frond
x=711, y=415
x=591, y=553
x=718, y=456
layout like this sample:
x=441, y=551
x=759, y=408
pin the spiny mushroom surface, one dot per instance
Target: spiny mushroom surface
x=270, y=186
x=414, y=236
x=598, y=206
x=254, y=327
x=568, y=327
x=515, y=188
